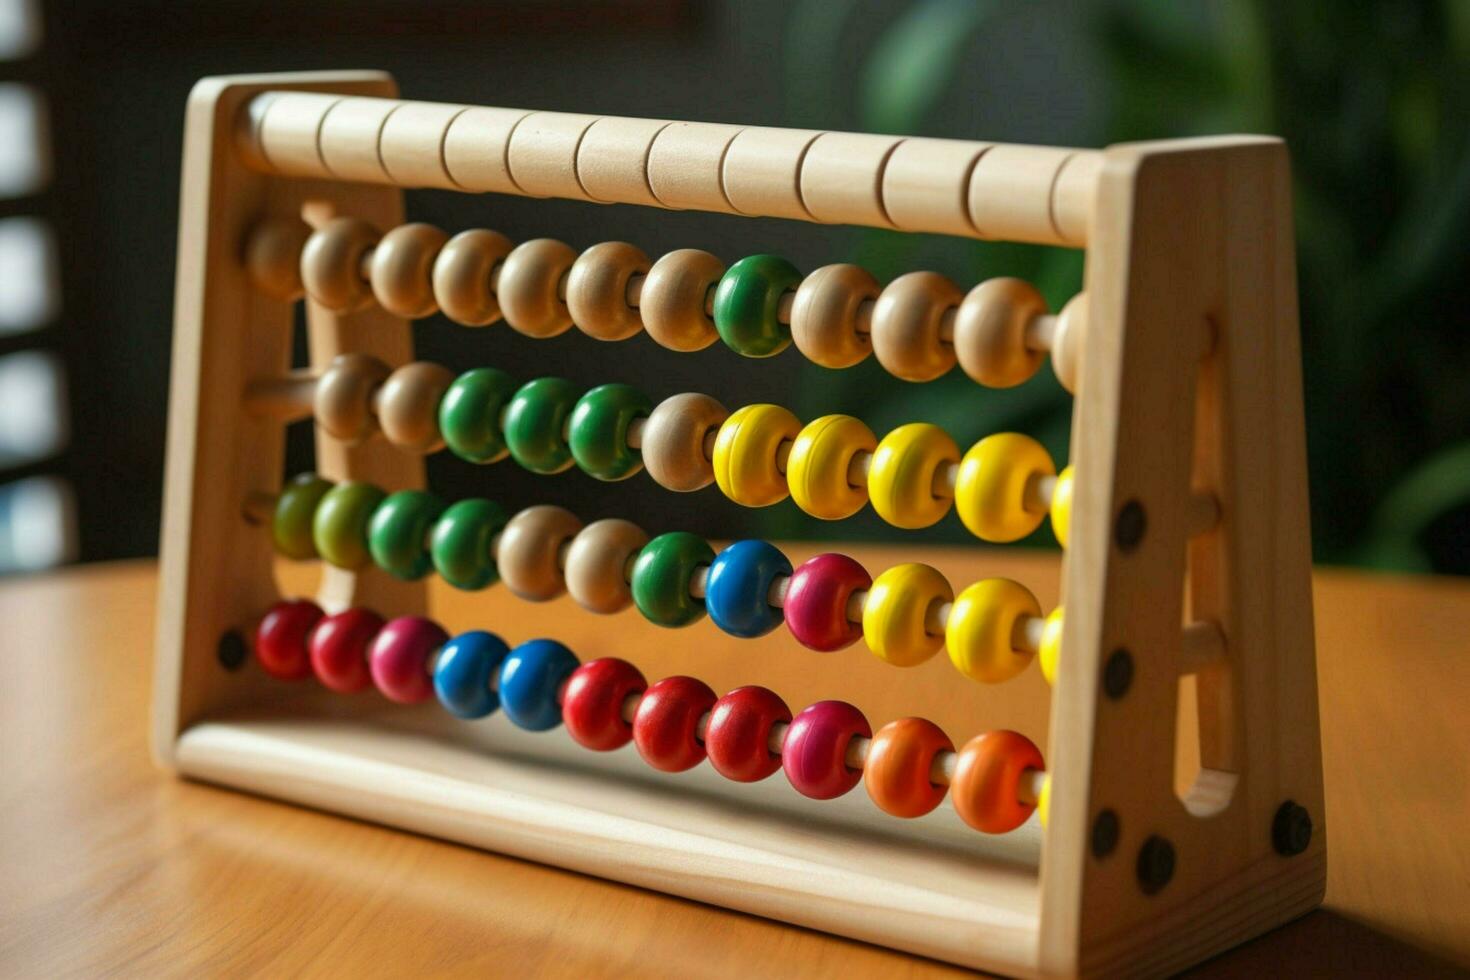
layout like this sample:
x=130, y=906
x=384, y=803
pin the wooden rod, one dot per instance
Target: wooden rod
x=1012, y=192
x=287, y=398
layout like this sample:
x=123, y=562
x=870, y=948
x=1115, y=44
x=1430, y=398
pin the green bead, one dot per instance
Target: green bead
x=746, y=302
x=469, y=414
x=398, y=530
x=291, y=522
x=535, y=421
x=460, y=547
x=662, y=574
x=599, y=431
x=340, y=528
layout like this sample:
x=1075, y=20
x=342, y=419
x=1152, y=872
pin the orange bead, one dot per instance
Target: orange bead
x=986, y=786
x=896, y=772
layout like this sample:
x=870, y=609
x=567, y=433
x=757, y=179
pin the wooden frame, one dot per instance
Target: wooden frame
x=1190, y=381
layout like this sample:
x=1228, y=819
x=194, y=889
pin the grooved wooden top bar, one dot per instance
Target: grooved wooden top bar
x=975, y=189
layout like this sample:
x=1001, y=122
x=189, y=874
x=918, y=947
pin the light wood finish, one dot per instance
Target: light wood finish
x=672, y=299
x=110, y=865
x=1189, y=385
x=597, y=290
x=1021, y=193
x=407, y=406
x=401, y=269
x=677, y=439
x=461, y=277
x=597, y=564
x=831, y=316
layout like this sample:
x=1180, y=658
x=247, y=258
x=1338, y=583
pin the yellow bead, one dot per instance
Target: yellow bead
x=1061, y=506
x=981, y=630
x=745, y=454
x=1043, y=800
x=817, y=469
x=1051, y=645
x=991, y=492
x=901, y=476
x=899, y=605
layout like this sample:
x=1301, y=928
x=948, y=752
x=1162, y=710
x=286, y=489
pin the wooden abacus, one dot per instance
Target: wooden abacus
x=1187, y=548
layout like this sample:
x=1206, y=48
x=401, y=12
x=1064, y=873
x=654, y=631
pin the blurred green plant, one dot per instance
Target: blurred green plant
x=1374, y=101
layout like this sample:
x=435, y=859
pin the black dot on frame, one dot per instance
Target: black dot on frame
x=1155, y=864
x=1105, y=833
x=1118, y=673
x=231, y=650
x=1130, y=525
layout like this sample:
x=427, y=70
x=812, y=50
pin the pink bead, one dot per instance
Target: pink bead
x=339, y=649
x=816, y=601
x=399, y=658
x=281, y=638
x=814, y=754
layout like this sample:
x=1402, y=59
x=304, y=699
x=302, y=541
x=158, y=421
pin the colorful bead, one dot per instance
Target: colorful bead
x=738, y=737
x=817, y=598
x=469, y=414
x=531, y=677
x=814, y=754
x=534, y=422
x=463, y=673
x=527, y=554
x=898, y=610
x=986, y=787
x=597, y=564
x=1050, y=652
x=340, y=526
x=598, y=437
x=901, y=478
x=746, y=303
x=737, y=592
x=1043, y=800
x=282, y=636
x=460, y=544
x=674, y=439
x=295, y=508
x=745, y=456
x=398, y=530
x=896, y=771
x=820, y=459
x=1061, y=506
x=592, y=704
x=662, y=574
x=399, y=658
x=666, y=727
x=990, y=492
x=339, y=649
x=982, y=626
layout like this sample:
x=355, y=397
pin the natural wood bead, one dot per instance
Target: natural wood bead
x=825, y=314
x=906, y=326
x=401, y=269
x=673, y=298
x=528, y=287
x=408, y=406
x=527, y=552
x=331, y=264
x=597, y=561
x=673, y=441
x=597, y=290
x=461, y=276
x=273, y=257
x=990, y=332
x=1068, y=341
x=342, y=402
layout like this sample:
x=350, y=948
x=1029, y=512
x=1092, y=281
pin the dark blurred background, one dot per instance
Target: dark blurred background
x=1374, y=98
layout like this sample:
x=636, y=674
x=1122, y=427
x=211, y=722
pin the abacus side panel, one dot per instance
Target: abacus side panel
x=216, y=569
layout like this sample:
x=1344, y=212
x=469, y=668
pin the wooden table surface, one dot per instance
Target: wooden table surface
x=109, y=865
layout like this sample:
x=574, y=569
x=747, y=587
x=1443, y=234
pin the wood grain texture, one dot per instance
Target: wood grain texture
x=113, y=866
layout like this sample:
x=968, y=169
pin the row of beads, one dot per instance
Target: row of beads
x=991, y=629
x=919, y=326
x=994, y=781
x=1003, y=487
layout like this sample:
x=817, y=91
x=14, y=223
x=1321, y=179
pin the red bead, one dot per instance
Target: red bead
x=666, y=727
x=592, y=703
x=815, y=752
x=281, y=638
x=739, y=734
x=339, y=649
x=399, y=658
x=816, y=601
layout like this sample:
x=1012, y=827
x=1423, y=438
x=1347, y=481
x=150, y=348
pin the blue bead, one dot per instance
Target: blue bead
x=736, y=595
x=462, y=674
x=530, y=678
